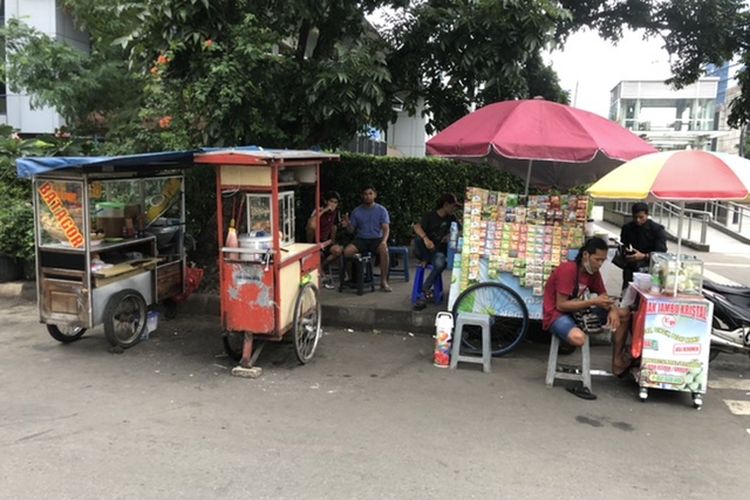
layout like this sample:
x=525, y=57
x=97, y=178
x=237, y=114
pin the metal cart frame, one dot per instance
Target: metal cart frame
x=72, y=298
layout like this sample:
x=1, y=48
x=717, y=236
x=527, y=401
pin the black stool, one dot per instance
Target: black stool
x=361, y=270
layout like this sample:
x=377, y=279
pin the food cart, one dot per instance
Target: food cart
x=268, y=281
x=671, y=330
x=109, y=235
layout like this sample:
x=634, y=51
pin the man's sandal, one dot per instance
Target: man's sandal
x=582, y=392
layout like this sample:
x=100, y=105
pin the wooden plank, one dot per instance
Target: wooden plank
x=126, y=267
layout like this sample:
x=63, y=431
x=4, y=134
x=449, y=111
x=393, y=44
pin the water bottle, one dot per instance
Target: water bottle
x=454, y=235
x=443, y=333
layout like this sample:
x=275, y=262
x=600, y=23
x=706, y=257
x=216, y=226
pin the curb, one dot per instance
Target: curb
x=357, y=318
x=18, y=289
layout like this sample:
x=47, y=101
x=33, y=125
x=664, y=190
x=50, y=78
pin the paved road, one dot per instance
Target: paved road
x=369, y=418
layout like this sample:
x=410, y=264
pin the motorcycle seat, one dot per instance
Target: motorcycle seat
x=726, y=289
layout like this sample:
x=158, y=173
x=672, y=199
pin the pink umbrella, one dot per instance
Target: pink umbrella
x=567, y=146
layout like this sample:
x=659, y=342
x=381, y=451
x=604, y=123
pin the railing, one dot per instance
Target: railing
x=733, y=216
x=668, y=215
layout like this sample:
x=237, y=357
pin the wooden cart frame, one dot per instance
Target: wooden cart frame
x=268, y=297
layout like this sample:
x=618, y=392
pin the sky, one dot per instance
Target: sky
x=596, y=66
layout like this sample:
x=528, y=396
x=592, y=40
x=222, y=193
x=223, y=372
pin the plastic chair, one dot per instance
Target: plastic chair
x=485, y=359
x=403, y=252
x=582, y=374
x=362, y=270
x=416, y=289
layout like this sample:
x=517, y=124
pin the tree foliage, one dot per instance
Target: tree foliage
x=298, y=73
x=277, y=73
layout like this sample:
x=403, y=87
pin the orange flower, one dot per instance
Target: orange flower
x=208, y=43
x=162, y=59
x=165, y=122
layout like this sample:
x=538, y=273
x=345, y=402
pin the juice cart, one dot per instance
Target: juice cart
x=672, y=331
x=109, y=235
x=268, y=281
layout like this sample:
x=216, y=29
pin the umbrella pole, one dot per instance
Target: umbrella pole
x=679, y=247
x=528, y=178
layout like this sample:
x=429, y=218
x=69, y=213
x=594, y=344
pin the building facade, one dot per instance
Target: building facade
x=50, y=18
x=668, y=118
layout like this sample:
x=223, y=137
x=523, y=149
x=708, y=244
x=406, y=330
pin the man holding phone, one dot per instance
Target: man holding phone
x=640, y=237
x=570, y=289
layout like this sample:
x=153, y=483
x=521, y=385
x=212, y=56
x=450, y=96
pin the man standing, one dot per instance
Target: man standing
x=644, y=236
x=431, y=244
x=371, y=224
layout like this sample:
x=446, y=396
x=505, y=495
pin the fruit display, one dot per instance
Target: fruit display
x=688, y=273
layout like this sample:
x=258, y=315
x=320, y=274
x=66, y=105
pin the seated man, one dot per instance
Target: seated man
x=431, y=244
x=568, y=291
x=329, y=218
x=644, y=236
x=371, y=224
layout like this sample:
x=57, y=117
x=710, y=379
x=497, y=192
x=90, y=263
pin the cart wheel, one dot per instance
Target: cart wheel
x=306, y=325
x=233, y=344
x=697, y=401
x=66, y=333
x=509, y=316
x=643, y=394
x=125, y=318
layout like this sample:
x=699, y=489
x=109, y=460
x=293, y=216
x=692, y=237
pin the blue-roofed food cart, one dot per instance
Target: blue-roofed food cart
x=110, y=241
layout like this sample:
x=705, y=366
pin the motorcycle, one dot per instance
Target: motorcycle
x=730, y=332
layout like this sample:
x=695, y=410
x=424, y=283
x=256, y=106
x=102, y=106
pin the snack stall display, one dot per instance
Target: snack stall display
x=268, y=280
x=515, y=242
x=109, y=241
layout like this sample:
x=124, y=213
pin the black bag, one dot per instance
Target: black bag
x=619, y=258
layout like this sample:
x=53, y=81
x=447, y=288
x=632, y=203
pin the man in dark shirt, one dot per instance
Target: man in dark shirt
x=431, y=244
x=645, y=236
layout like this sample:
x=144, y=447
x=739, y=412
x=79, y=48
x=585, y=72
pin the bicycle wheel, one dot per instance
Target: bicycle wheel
x=306, y=326
x=509, y=317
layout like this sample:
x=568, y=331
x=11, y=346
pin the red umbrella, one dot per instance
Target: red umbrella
x=568, y=146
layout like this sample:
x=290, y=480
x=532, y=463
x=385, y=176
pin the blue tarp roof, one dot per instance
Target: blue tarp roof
x=28, y=167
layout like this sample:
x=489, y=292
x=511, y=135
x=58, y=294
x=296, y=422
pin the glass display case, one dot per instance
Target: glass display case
x=688, y=274
x=60, y=213
x=260, y=213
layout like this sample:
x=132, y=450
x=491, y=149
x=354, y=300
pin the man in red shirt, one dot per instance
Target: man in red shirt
x=569, y=289
x=329, y=218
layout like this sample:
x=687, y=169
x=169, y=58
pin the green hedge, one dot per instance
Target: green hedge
x=409, y=187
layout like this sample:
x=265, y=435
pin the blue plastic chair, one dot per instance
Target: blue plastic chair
x=416, y=289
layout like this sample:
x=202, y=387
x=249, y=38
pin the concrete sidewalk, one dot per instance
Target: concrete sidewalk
x=393, y=311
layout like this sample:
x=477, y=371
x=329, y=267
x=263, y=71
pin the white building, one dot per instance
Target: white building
x=407, y=135
x=668, y=118
x=49, y=17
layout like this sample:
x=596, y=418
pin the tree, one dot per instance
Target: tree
x=218, y=72
x=456, y=54
x=296, y=73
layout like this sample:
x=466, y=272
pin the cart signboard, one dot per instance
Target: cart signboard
x=676, y=344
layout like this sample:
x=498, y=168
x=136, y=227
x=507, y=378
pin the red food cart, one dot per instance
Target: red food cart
x=268, y=281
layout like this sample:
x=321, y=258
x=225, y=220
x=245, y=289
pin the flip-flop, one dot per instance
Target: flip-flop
x=582, y=392
x=386, y=289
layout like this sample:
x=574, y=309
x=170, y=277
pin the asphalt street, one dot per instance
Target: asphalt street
x=370, y=417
